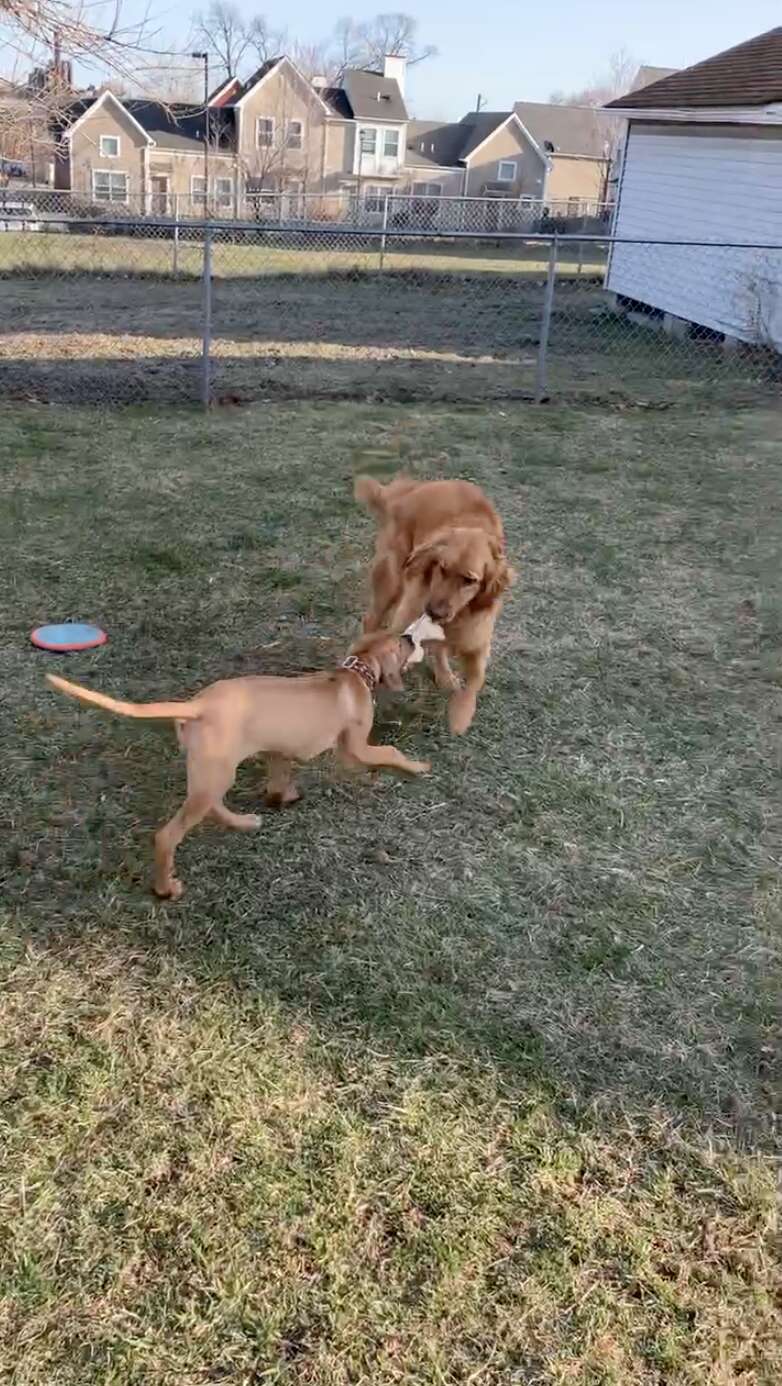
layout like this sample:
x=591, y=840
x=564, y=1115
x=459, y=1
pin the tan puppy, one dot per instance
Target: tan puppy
x=440, y=549
x=285, y=719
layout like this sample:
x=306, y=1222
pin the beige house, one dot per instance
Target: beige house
x=278, y=136
x=276, y=133
x=487, y=154
x=144, y=155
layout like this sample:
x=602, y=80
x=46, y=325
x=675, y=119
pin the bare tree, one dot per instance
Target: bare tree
x=233, y=41
x=345, y=48
x=357, y=44
x=222, y=31
x=395, y=34
x=170, y=80
x=614, y=81
x=30, y=29
x=313, y=59
x=264, y=42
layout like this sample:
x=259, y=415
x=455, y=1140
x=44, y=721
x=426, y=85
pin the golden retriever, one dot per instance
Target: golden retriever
x=440, y=549
x=287, y=719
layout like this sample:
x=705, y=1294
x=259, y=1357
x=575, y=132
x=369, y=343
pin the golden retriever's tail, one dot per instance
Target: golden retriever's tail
x=184, y=712
x=370, y=493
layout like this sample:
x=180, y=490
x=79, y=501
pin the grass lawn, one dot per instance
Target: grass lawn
x=284, y=253
x=461, y=1081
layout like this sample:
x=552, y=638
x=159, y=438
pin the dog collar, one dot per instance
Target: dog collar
x=357, y=666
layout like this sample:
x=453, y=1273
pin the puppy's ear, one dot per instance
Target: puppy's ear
x=390, y=661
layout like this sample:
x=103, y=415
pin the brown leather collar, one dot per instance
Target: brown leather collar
x=357, y=666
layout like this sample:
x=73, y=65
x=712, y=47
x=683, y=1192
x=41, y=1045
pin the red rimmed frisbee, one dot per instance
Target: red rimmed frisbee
x=67, y=637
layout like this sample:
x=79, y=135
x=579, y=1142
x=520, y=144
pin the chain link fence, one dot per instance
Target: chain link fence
x=363, y=205
x=128, y=310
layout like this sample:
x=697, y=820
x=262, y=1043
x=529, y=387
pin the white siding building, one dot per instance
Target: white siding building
x=702, y=162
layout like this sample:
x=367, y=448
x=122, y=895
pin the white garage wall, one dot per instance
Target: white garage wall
x=710, y=184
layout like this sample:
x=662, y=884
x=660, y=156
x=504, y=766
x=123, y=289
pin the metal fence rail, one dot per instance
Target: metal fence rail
x=116, y=309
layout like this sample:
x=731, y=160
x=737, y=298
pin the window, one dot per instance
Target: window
x=427, y=189
x=224, y=193
x=375, y=197
x=391, y=144
x=573, y=207
x=198, y=190
x=368, y=140
x=109, y=187
x=293, y=134
x=264, y=132
x=506, y=172
x=109, y=146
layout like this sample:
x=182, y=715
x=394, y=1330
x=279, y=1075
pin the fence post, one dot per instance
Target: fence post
x=384, y=232
x=175, y=260
x=206, y=328
x=545, y=324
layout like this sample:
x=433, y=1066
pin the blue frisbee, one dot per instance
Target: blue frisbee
x=67, y=636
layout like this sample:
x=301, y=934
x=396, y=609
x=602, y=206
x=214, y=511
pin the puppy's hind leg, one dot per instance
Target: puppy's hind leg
x=207, y=783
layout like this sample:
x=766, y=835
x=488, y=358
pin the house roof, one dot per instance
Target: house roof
x=748, y=75
x=434, y=144
x=337, y=99
x=575, y=130
x=174, y=125
x=256, y=76
x=481, y=124
x=226, y=92
x=372, y=96
x=646, y=75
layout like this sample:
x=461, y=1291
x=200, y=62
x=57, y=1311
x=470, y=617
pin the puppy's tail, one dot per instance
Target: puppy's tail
x=184, y=712
x=370, y=493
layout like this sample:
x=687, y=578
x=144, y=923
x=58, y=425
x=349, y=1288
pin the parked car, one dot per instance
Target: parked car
x=12, y=168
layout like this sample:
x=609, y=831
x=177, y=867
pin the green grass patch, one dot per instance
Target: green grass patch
x=465, y=1081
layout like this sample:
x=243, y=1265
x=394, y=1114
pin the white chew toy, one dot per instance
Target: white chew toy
x=422, y=629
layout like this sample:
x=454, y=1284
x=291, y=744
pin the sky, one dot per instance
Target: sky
x=507, y=50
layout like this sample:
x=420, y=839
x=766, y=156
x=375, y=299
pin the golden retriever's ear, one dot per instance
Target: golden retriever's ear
x=417, y=562
x=498, y=577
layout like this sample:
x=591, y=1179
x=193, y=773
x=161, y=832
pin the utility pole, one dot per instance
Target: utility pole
x=204, y=58
x=481, y=101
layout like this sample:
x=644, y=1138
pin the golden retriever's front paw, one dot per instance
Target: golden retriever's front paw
x=461, y=710
x=448, y=681
x=420, y=767
x=172, y=889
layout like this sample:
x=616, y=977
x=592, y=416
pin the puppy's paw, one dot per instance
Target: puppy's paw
x=461, y=710
x=281, y=801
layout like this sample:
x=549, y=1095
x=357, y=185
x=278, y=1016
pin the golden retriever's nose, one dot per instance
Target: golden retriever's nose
x=436, y=613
